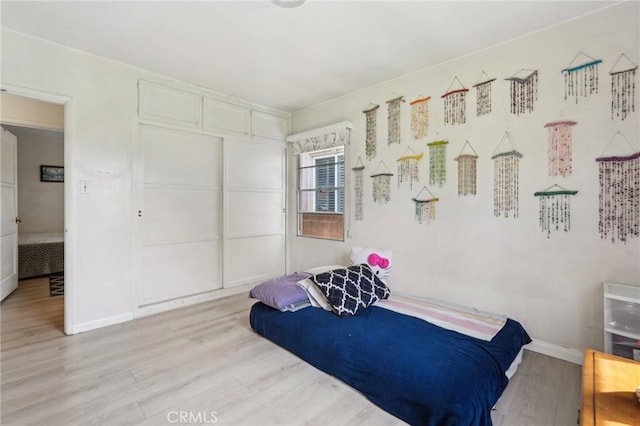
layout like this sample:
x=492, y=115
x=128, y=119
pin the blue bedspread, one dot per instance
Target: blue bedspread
x=417, y=371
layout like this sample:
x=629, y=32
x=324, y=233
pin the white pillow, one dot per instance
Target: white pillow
x=315, y=295
x=378, y=260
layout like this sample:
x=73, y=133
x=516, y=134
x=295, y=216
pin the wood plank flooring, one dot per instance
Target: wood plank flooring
x=203, y=365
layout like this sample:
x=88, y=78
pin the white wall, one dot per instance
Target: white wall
x=101, y=122
x=40, y=204
x=468, y=256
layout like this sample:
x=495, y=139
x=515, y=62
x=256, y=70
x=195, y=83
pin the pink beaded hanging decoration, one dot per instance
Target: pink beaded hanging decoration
x=560, y=147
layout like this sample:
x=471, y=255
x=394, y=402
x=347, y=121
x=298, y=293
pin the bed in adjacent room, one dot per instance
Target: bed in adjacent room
x=424, y=361
x=40, y=254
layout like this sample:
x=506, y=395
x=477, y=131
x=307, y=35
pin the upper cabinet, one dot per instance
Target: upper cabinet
x=269, y=126
x=207, y=114
x=224, y=118
x=169, y=105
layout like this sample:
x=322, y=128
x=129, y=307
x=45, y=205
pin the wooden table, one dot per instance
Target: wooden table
x=608, y=390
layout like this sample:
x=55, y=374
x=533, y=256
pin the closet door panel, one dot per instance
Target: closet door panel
x=174, y=157
x=181, y=215
x=261, y=167
x=178, y=270
x=255, y=259
x=254, y=213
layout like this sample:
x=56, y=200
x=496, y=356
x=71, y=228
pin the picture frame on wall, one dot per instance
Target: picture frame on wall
x=51, y=174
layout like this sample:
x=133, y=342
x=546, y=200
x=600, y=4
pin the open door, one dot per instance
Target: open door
x=9, y=213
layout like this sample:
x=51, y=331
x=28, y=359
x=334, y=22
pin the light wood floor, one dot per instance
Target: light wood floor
x=204, y=361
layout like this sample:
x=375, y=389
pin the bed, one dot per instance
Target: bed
x=40, y=254
x=425, y=374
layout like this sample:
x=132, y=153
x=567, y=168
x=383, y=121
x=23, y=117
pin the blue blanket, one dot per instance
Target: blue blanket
x=417, y=371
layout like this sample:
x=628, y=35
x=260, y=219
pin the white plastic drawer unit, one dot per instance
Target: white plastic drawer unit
x=622, y=320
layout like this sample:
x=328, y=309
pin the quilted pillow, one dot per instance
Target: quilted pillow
x=282, y=293
x=352, y=289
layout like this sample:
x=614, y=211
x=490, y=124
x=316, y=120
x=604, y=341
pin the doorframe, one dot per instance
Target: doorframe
x=69, y=194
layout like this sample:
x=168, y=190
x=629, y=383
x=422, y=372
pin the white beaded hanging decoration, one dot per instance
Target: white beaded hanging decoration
x=425, y=209
x=523, y=91
x=619, y=199
x=506, y=180
x=555, y=209
x=483, y=95
x=438, y=162
x=581, y=78
x=394, y=120
x=370, y=141
x=560, y=157
x=358, y=171
x=467, y=170
x=455, y=104
x=408, y=169
x=623, y=88
x=420, y=117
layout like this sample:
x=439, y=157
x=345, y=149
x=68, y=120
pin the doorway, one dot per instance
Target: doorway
x=36, y=255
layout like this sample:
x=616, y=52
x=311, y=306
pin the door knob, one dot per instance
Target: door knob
x=18, y=220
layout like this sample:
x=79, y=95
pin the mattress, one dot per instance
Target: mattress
x=422, y=373
x=40, y=254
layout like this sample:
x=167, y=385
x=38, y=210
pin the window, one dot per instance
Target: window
x=321, y=183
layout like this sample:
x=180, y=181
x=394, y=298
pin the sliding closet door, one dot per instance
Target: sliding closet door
x=180, y=214
x=255, y=216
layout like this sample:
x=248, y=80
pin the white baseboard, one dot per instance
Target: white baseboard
x=92, y=325
x=567, y=354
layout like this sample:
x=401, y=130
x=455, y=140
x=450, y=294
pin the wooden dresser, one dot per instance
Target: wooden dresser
x=608, y=390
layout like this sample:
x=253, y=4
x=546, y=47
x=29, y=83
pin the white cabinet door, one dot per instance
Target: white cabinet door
x=8, y=213
x=168, y=105
x=224, y=118
x=180, y=214
x=269, y=126
x=254, y=211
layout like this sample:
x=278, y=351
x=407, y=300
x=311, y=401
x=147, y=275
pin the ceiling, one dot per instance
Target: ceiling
x=286, y=58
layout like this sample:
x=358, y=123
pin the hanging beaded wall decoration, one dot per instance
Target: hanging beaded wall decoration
x=623, y=87
x=438, y=162
x=619, y=209
x=506, y=180
x=425, y=208
x=581, y=76
x=524, y=91
x=394, y=119
x=381, y=185
x=483, y=94
x=370, y=141
x=358, y=188
x=408, y=167
x=467, y=170
x=560, y=146
x=420, y=117
x=455, y=104
x=555, y=209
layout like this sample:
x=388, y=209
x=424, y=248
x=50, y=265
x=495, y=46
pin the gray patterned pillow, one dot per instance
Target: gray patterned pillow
x=351, y=289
